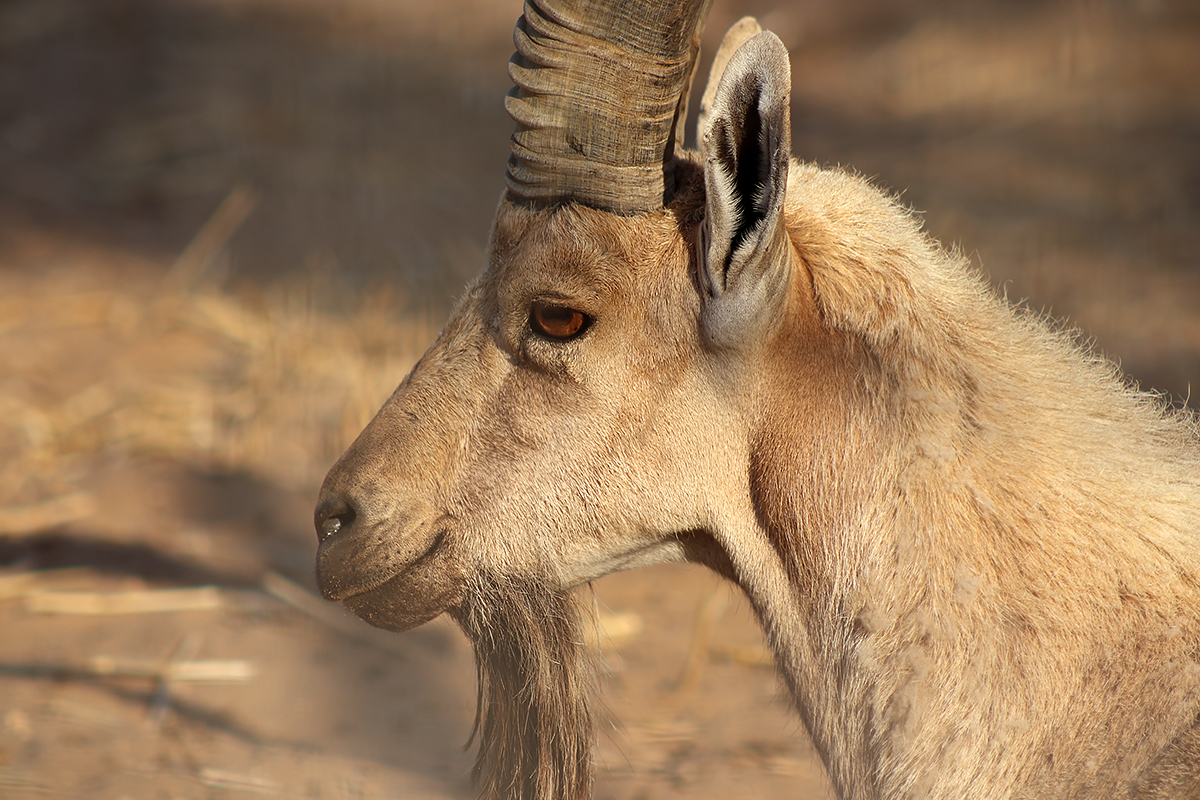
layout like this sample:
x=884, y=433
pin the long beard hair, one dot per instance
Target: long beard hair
x=534, y=721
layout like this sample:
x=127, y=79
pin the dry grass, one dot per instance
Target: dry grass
x=273, y=385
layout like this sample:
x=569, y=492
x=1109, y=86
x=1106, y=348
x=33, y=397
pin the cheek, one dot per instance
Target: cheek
x=523, y=451
x=537, y=411
x=549, y=450
x=537, y=462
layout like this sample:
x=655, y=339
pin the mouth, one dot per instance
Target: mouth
x=392, y=582
x=410, y=599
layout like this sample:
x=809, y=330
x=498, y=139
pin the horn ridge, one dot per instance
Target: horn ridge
x=597, y=88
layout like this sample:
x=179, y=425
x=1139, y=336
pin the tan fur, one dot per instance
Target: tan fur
x=1004, y=592
x=974, y=549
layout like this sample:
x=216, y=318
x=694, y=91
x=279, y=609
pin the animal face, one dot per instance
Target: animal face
x=587, y=408
x=569, y=422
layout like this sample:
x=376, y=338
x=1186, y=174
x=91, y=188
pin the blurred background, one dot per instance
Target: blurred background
x=229, y=227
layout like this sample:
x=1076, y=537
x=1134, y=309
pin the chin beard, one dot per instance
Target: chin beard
x=537, y=677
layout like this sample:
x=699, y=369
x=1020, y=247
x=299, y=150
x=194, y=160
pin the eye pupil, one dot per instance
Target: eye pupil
x=557, y=322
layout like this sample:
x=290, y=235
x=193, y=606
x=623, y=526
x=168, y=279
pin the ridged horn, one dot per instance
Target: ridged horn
x=600, y=88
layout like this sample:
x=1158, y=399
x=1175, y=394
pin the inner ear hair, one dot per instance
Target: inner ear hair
x=747, y=151
x=751, y=170
x=747, y=146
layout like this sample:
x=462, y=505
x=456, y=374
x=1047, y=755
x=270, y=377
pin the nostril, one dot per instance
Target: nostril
x=332, y=517
x=329, y=527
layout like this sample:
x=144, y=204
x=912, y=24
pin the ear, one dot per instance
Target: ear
x=746, y=145
x=738, y=34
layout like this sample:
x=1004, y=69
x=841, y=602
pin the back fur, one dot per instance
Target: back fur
x=1002, y=570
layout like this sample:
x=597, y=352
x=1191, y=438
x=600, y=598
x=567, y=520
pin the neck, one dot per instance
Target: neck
x=942, y=607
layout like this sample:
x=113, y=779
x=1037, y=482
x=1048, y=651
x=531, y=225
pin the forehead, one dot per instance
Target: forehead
x=575, y=250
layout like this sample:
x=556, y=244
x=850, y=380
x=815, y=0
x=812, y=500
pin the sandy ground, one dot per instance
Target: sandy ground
x=229, y=227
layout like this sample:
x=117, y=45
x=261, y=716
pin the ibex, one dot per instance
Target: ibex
x=973, y=548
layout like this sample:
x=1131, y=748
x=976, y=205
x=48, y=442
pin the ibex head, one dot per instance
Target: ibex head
x=586, y=408
x=956, y=528
x=592, y=403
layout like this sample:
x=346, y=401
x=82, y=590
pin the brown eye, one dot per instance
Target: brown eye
x=557, y=322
